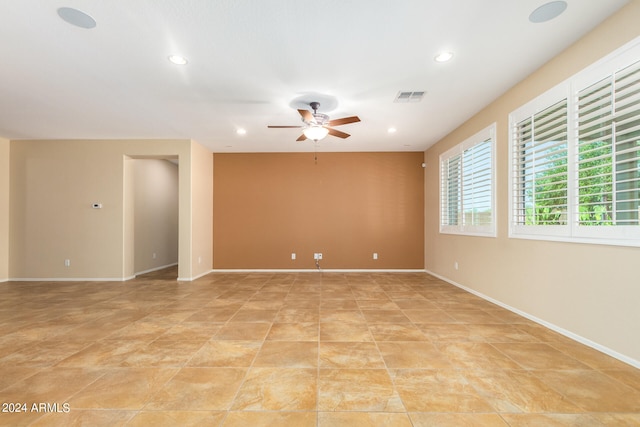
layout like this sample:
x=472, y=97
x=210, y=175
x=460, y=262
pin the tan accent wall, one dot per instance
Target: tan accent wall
x=156, y=213
x=588, y=290
x=4, y=209
x=347, y=206
x=53, y=185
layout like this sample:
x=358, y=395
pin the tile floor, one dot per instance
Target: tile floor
x=305, y=349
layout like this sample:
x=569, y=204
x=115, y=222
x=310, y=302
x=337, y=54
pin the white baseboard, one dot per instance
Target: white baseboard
x=314, y=270
x=71, y=279
x=606, y=350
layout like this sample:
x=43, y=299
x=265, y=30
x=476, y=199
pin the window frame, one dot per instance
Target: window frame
x=619, y=235
x=488, y=136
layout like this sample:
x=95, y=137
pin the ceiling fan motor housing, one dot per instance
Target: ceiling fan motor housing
x=321, y=119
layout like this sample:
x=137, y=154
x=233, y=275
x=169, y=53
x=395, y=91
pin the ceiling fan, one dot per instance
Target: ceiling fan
x=317, y=125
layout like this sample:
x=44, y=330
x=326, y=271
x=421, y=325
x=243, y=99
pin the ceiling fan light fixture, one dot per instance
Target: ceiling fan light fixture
x=315, y=132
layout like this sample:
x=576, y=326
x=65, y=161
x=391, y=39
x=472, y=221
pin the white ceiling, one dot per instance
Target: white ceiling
x=249, y=60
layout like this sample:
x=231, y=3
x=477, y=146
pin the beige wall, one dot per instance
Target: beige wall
x=4, y=209
x=156, y=214
x=347, y=206
x=202, y=210
x=52, y=187
x=588, y=290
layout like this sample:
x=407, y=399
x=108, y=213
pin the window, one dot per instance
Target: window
x=467, y=186
x=575, y=157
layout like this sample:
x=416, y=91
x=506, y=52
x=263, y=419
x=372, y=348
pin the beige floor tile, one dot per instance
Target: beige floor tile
x=177, y=418
x=357, y=390
x=593, y=391
x=164, y=353
x=420, y=419
x=245, y=331
x=208, y=389
x=396, y=332
x=300, y=349
x=438, y=390
x=226, y=354
x=355, y=355
x=476, y=355
x=519, y=391
x=363, y=419
x=215, y=314
x=191, y=331
x=51, y=385
x=554, y=420
x=385, y=316
x=411, y=354
x=499, y=333
x=345, y=316
x=473, y=316
x=618, y=420
x=108, y=391
x=589, y=356
x=374, y=304
x=341, y=304
x=270, y=419
x=15, y=374
x=449, y=333
x=307, y=331
x=277, y=389
x=297, y=315
x=288, y=354
x=538, y=356
x=85, y=417
x=43, y=354
x=429, y=316
x=19, y=419
x=628, y=375
x=339, y=331
x=254, y=315
x=106, y=353
x=419, y=303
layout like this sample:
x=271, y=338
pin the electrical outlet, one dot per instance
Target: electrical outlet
x=317, y=255
x=375, y=255
x=293, y=255
x=67, y=263
x=455, y=265
x=154, y=256
x=320, y=255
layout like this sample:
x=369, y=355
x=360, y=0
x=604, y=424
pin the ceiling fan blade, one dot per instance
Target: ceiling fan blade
x=284, y=127
x=338, y=133
x=344, y=121
x=301, y=138
x=307, y=116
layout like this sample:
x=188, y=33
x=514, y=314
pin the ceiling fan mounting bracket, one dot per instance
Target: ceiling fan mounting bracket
x=314, y=105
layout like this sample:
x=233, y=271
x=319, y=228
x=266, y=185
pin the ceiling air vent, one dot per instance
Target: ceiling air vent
x=415, y=96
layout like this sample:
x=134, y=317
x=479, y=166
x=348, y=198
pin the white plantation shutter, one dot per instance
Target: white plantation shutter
x=575, y=157
x=467, y=186
x=540, y=175
x=609, y=150
x=451, y=191
x=477, y=184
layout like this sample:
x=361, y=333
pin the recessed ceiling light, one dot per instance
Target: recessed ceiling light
x=241, y=131
x=548, y=11
x=392, y=130
x=178, y=60
x=443, y=56
x=76, y=17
